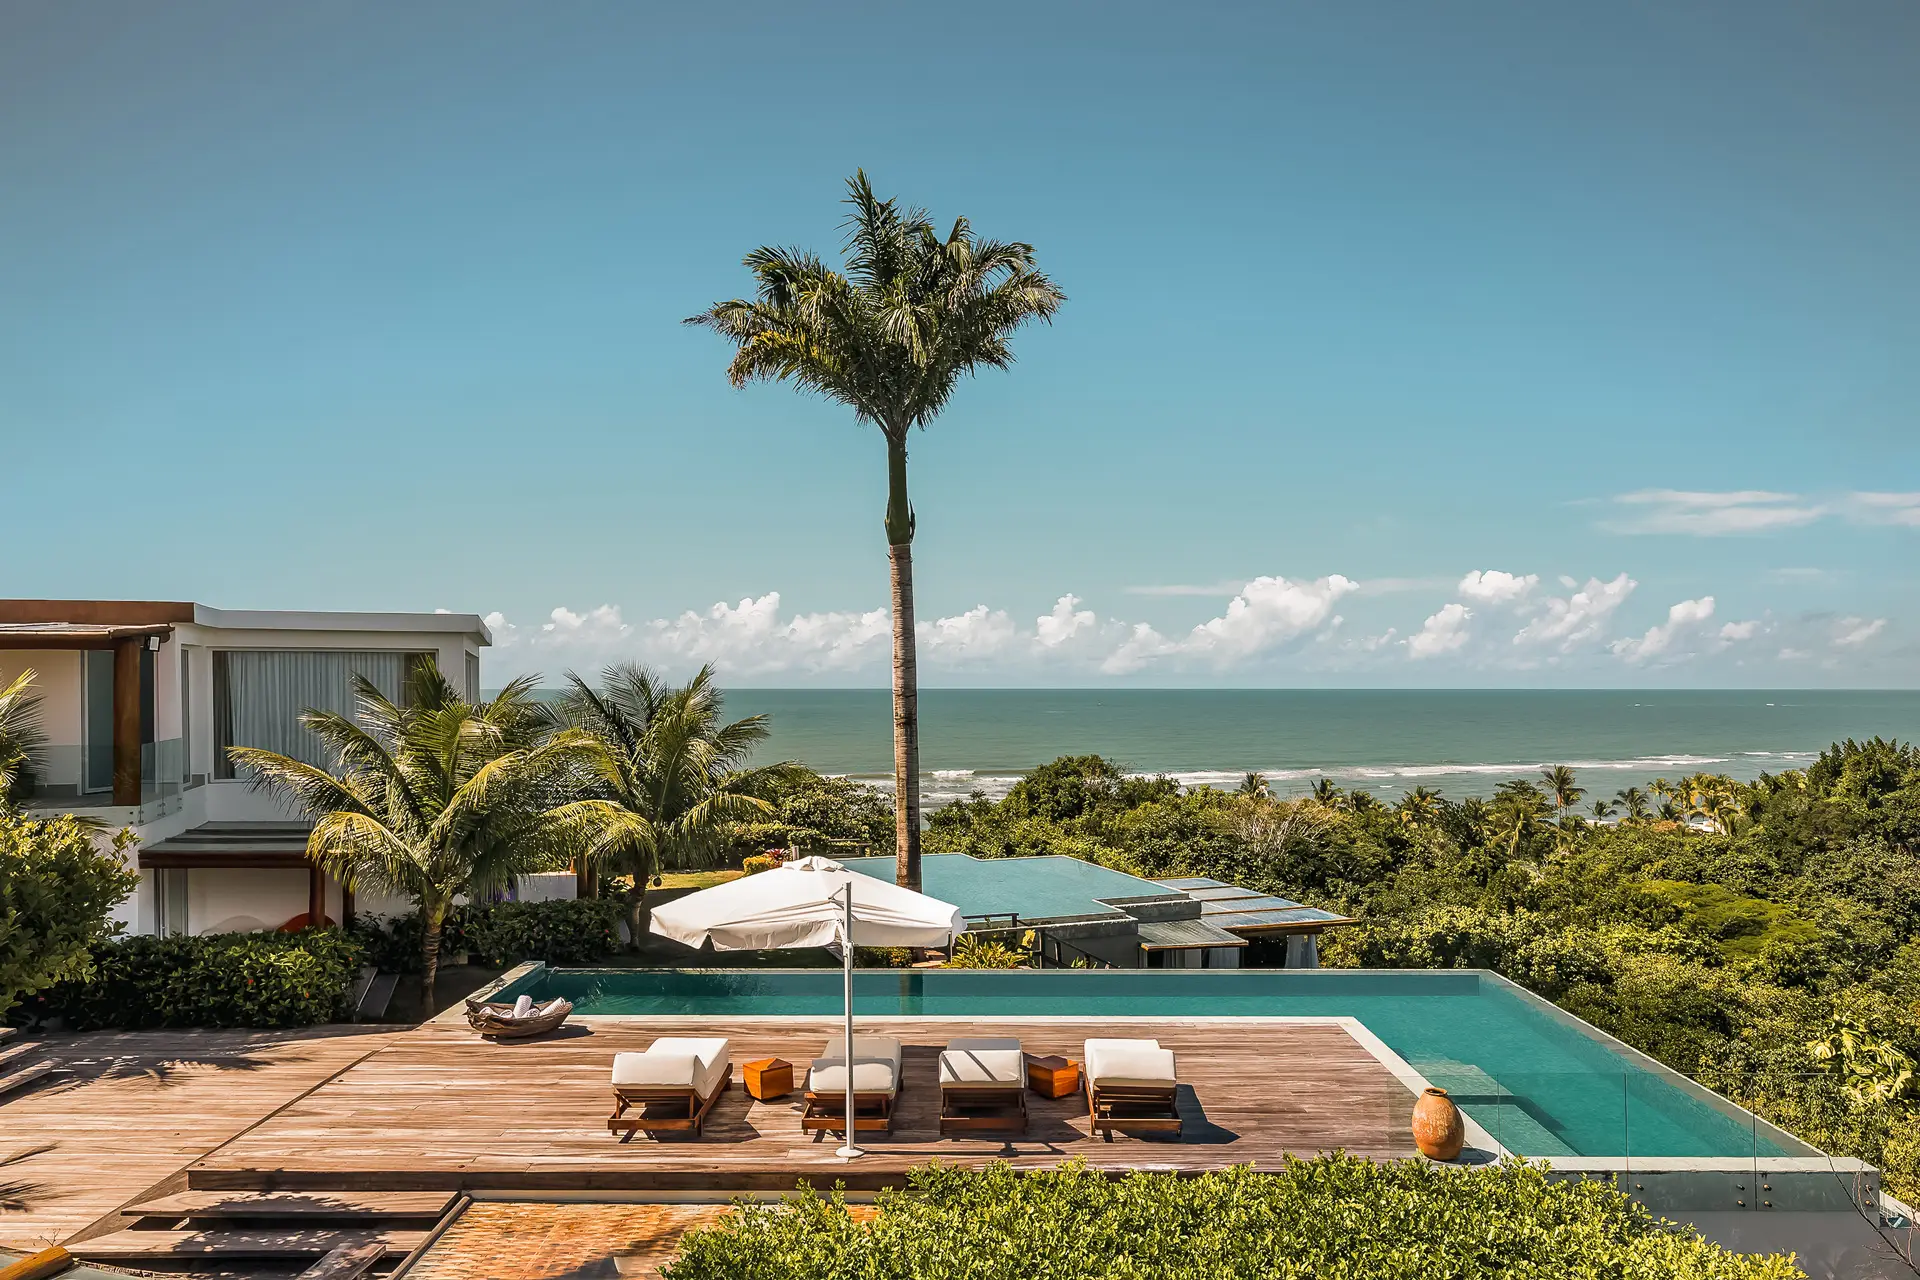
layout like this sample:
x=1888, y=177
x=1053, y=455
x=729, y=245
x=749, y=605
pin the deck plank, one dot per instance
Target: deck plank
x=437, y=1109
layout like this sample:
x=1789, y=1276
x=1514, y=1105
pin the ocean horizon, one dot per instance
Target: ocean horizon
x=1459, y=742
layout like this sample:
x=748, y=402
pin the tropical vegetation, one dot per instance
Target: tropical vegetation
x=660, y=780
x=58, y=893
x=217, y=980
x=889, y=337
x=1336, y=1215
x=435, y=798
x=21, y=737
x=1762, y=937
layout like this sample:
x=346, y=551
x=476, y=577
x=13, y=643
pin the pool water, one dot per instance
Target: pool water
x=1540, y=1082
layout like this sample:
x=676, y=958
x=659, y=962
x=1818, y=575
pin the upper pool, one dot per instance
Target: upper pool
x=1540, y=1081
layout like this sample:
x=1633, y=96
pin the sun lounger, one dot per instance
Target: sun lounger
x=983, y=1085
x=876, y=1083
x=1131, y=1084
x=671, y=1086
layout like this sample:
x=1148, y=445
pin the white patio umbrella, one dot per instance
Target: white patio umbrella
x=811, y=902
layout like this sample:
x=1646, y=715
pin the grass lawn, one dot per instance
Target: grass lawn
x=695, y=879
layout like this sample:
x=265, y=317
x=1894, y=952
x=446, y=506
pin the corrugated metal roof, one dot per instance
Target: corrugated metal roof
x=1183, y=935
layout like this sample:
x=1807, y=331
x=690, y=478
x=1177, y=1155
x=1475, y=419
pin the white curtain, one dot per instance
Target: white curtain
x=259, y=695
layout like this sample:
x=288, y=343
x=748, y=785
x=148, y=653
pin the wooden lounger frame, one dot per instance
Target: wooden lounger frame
x=992, y=1107
x=826, y=1113
x=1148, y=1108
x=640, y=1096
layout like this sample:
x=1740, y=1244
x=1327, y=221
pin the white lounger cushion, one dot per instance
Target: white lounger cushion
x=1140, y=1063
x=992, y=1061
x=675, y=1062
x=876, y=1067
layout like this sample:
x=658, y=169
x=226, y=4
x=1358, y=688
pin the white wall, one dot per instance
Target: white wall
x=57, y=683
x=271, y=895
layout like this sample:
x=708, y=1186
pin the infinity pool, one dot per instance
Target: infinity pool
x=1541, y=1082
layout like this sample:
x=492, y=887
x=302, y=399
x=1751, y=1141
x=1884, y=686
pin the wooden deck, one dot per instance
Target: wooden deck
x=129, y=1110
x=438, y=1109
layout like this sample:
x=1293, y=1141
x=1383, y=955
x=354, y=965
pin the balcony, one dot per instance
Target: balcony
x=71, y=778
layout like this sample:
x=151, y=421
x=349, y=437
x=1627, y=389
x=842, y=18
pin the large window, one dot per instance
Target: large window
x=258, y=696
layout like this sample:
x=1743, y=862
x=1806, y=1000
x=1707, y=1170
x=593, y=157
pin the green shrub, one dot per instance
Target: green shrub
x=57, y=895
x=1332, y=1216
x=222, y=980
x=564, y=931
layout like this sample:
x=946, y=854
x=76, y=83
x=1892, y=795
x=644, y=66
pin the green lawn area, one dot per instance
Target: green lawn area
x=696, y=879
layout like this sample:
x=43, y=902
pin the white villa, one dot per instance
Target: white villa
x=139, y=701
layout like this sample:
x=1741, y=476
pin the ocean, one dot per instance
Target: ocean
x=1460, y=742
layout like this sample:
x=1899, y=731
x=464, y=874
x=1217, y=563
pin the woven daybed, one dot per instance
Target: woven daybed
x=500, y=1022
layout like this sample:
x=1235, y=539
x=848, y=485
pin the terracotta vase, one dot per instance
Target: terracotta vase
x=1438, y=1130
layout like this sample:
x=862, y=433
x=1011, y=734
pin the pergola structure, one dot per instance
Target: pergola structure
x=122, y=627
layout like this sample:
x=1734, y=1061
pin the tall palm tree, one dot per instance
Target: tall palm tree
x=1253, y=784
x=1634, y=801
x=889, y=338
x=1326, y=792
x=1419, y=805
x=669, y=776
x=21, y=738
x=1663, y=791
x=434, y=798
x=1559, y=780
x=1518, y=810
x=1603, y=809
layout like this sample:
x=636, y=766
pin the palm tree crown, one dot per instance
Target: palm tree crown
x=661, y=775
x=889, y=337
x=21, y=737
x=432, y=799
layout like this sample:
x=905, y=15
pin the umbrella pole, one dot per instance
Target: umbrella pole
x=850, y=1150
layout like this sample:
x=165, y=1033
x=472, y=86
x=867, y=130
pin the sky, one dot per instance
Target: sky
x=1470, y=345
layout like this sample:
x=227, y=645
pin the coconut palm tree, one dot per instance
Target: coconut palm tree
x=434, y=798
x=21, y=738
x=1518, y=810
x=1326, y=792
x=1603, y=809
x=1253, y=784
x=1418, y=806
x=1559, y=782
x=1634, y=801
x=889, y=338
x=668, y=774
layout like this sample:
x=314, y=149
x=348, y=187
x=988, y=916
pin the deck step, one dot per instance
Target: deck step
x=295, y=1204
x=19, y=1053
x=347, y=1262
x=379, y=994
x=17, y=1080
x=138, y=1246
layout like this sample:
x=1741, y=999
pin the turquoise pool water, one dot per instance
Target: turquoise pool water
x=1538, y=1082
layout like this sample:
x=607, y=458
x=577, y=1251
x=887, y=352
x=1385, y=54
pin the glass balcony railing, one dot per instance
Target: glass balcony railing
x=70, y=777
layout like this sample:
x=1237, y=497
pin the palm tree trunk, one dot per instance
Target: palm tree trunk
x=906, y=676
x=435, y=918
x=636, y=905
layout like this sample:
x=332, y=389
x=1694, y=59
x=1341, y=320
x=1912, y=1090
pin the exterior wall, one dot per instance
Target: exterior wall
x=215, y=894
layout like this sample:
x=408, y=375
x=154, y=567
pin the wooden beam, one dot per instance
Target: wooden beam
x=103, y=613
x=126, y=720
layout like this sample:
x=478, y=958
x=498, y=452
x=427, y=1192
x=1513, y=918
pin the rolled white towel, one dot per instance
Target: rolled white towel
x=523, y=1006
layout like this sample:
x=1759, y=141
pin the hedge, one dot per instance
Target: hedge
x=563, y=931
x=221, y=980
x=1334, y=1216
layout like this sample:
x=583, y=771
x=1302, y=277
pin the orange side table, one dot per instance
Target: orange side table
x=768, y=1078
x=1053, y=1077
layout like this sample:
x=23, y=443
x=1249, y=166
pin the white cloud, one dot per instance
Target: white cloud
x=978, y=633
x=1794, y=655
x=1737, y=631
x=751, y=637
x=1681, y=619
x=1571, y=621
x=1713, y=515
x=1492, y=587
x=1142, y=645
x=1064, y=624
x=1187, y=589
x=1268, y=612
x=1885, y=508
x=1373, y=644
x=1851, y=632
x=1444, y=632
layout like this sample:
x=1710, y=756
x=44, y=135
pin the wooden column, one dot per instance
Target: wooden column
x=585, y=883
x=126, y=720
x=316, y=896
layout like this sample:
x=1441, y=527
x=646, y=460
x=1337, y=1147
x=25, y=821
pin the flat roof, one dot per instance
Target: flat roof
x=1226, y=906
x=159, y=614
x=1185, y=935
x=1036, y=889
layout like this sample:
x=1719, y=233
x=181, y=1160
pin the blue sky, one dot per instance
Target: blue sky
x=356, y=306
